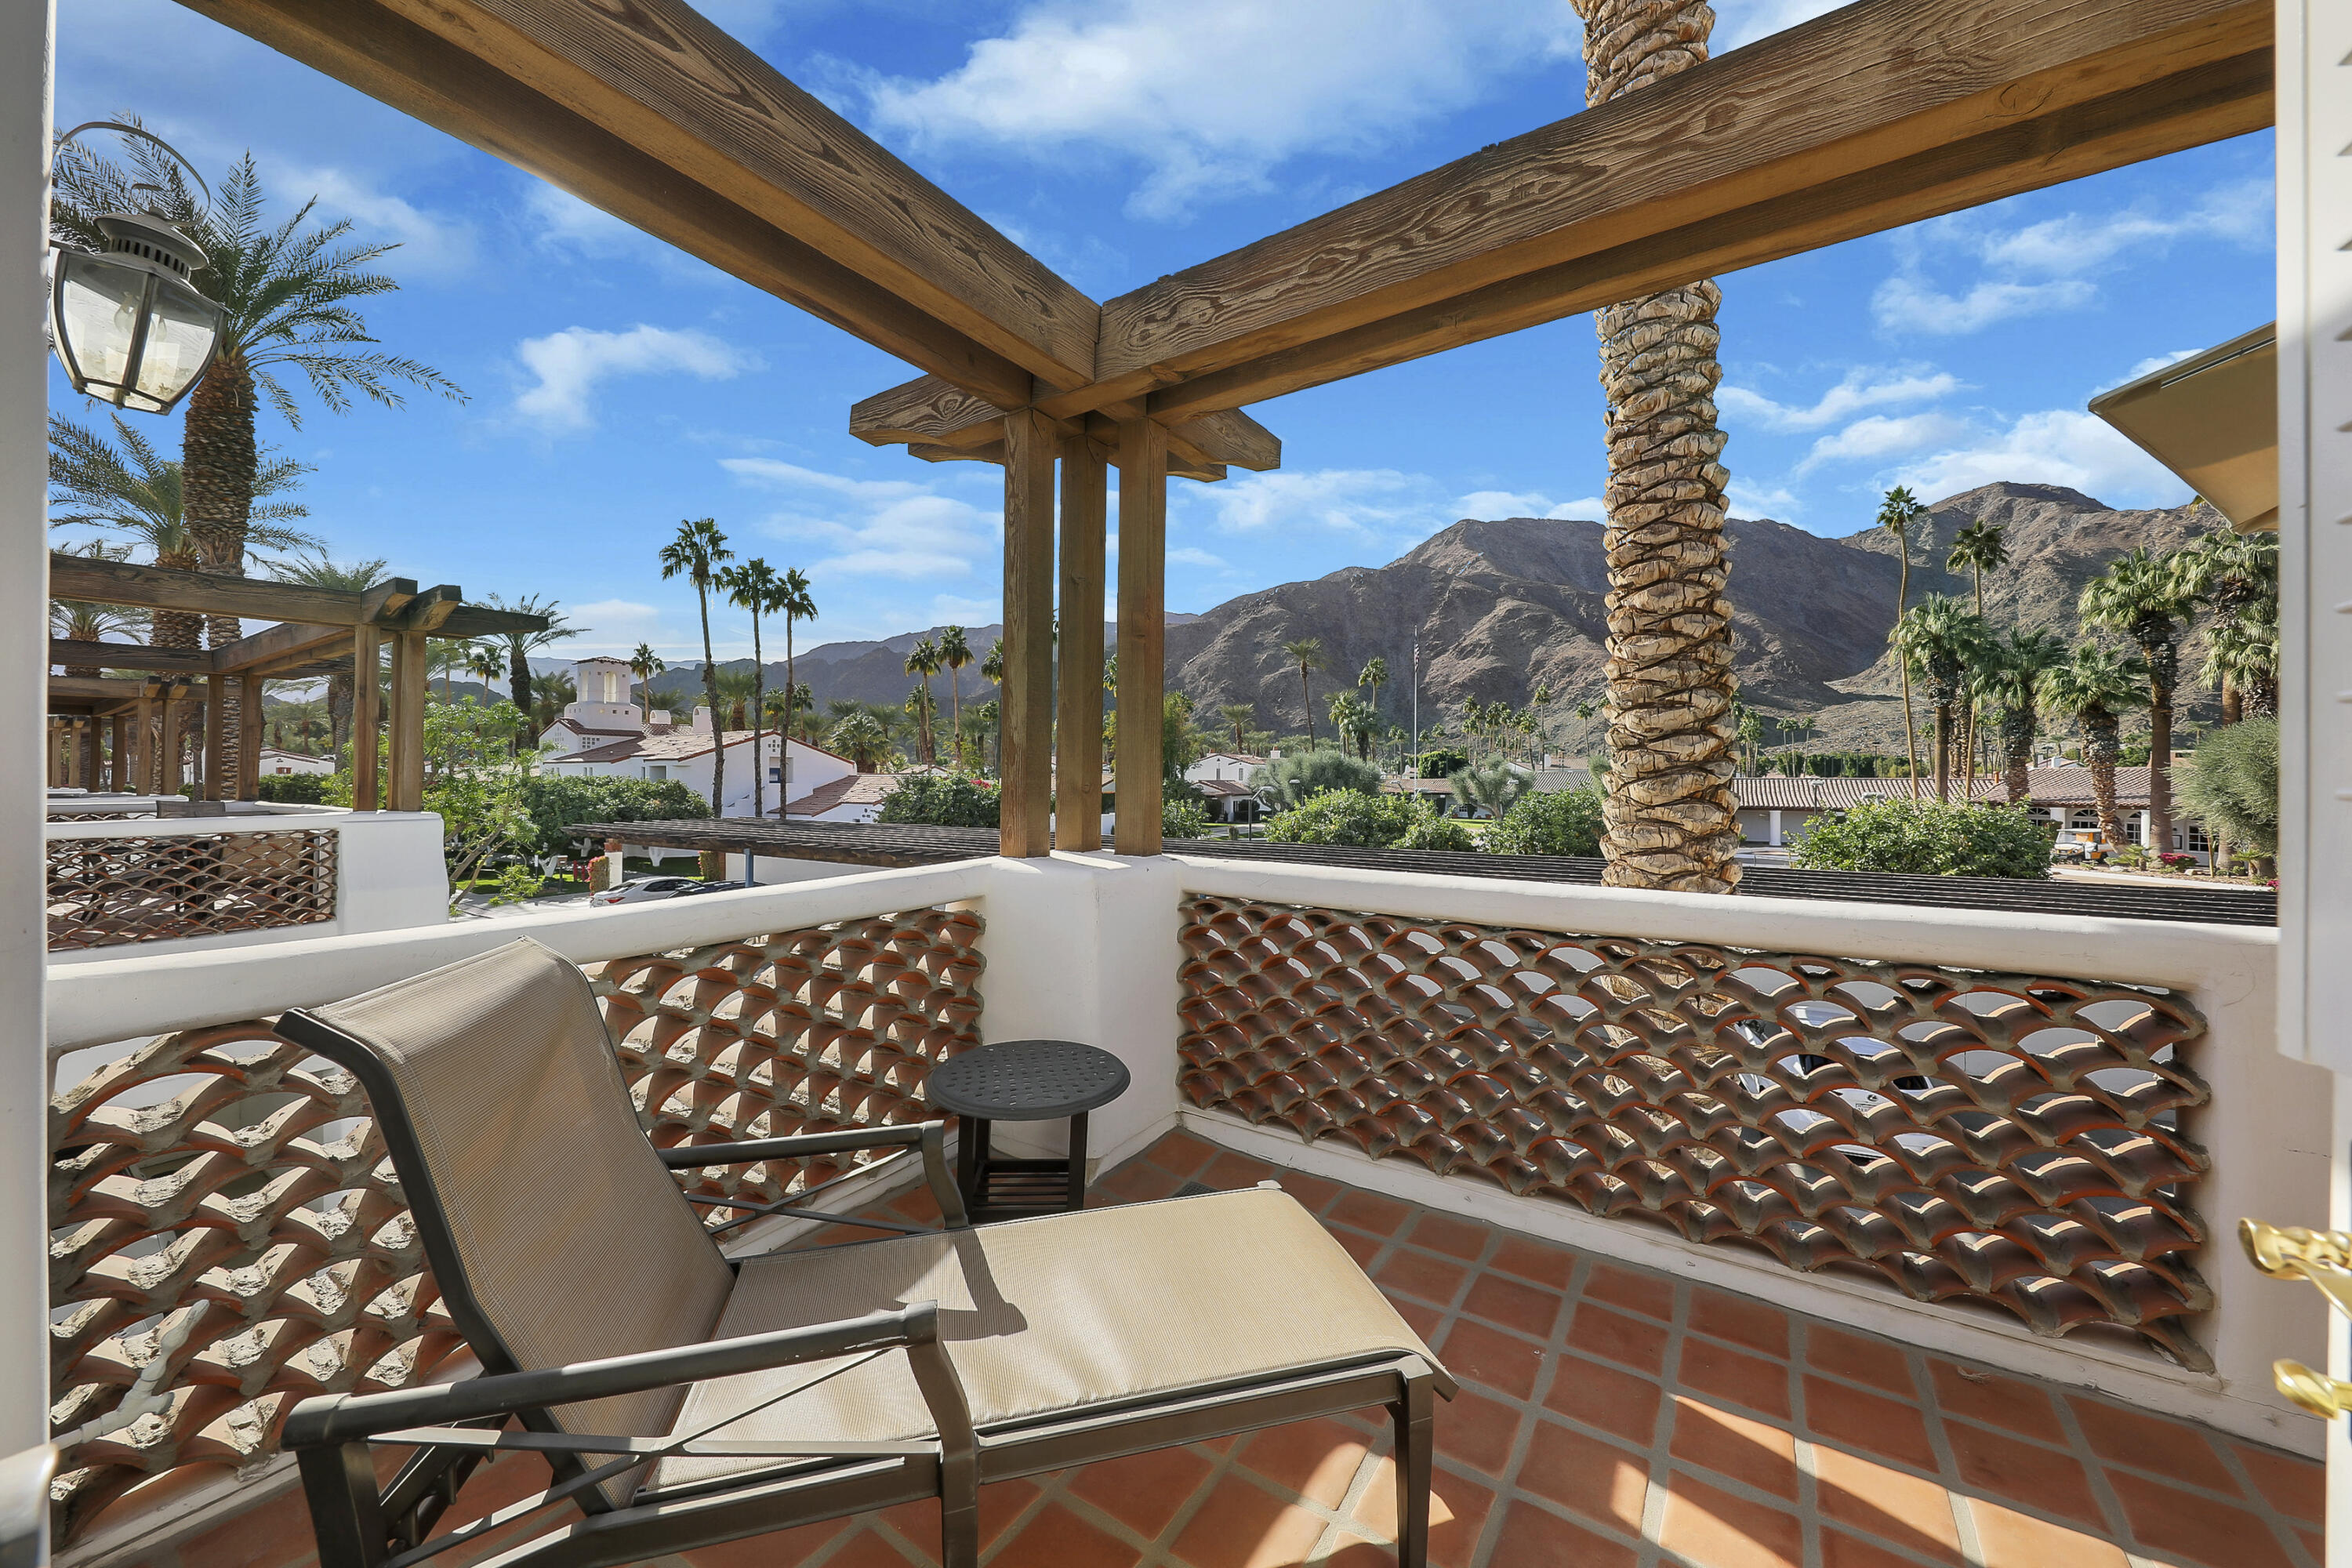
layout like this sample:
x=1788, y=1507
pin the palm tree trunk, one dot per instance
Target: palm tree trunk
x=1943, y=753
x=711, y=689
x=2232, y=703
x=792, y=692
x=2159, y=767
x=2017, y=739
x=218, y=461
x=955, y=712
x=1307, y=700
x=2099, y=747
x=759, y=757
x=519, y=687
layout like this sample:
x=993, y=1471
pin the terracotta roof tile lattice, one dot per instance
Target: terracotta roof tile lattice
x=1835, y=1113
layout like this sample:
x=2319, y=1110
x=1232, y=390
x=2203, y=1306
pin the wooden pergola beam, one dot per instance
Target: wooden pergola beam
x=131, y=656
x=652, y=113
x=934, y=412
x=1882, y=115
x=395, y=604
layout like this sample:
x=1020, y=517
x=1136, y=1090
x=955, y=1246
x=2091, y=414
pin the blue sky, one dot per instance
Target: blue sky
x=617, y=386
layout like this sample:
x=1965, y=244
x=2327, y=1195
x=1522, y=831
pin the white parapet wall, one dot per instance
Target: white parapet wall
x=389, y=871
x=2267, y=1128
x=1085, y=948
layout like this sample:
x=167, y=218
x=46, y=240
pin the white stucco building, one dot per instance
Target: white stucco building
x=605, y=734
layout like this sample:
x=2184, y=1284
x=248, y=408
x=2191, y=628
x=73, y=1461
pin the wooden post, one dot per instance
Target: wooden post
x=1028, y=693
x=216, y=781
x=366, y=764
x=407, y=782
x=118, y=766
x=1077, y=728
x=143, y=742
x=1143, y=630
x=248, y=750
x=89, y=754
x=173, y=716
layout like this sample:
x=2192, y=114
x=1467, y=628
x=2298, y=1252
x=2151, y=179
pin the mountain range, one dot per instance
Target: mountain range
x=1499, y=608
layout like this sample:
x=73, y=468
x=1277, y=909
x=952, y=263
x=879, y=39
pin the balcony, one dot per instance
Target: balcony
x=1758, y=1230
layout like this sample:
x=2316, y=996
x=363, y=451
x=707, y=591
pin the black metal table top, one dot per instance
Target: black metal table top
x=1027, y=1080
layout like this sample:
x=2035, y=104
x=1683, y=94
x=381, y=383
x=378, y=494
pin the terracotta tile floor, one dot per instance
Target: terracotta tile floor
x=1609, y=1417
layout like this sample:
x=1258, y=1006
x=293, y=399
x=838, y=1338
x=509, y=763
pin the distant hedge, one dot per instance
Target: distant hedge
x=1923, y=838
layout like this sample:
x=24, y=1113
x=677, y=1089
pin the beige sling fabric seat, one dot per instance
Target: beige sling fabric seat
x=684, y=1399
x=1049, y=1315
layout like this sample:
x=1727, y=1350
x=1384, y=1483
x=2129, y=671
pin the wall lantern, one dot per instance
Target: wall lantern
x=129, y=326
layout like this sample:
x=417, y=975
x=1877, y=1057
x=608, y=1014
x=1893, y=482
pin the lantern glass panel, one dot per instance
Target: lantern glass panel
x=97, y=317
x=181, y=327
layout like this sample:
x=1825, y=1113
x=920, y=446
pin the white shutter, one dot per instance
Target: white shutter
x=2315, y=341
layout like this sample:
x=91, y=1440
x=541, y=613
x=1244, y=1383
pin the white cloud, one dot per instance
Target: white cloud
x=569, y=364
x=1528, y=503
x=2057, y=446
x=563, y=219
x=1906, y=303
x=1882, y=435
x=2147, y=366
x=1742, y=499
x=1357, y=500
x=1211, y=97
x=1191, y=555
x=2050, y=264
x=875, y=528
x=1862, y=387
x=431, y=246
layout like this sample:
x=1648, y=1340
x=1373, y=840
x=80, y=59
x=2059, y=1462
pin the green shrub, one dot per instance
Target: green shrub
x=296, y=789
x=1346, y=816
x=1436, y=832
x=1565, y=822
x=557, y=802
x=1299, y=777
x=1925, y=838
x=944, y=800
x=1182, y=818
x=2231, y=783
x=1443, y=763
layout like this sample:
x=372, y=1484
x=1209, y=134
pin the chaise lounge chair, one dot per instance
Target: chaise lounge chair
x=684, y=1398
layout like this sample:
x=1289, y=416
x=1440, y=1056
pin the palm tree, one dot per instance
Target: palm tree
x=1375, y=674
x=550, y=696
x=137, y=496
x=735, y=694
x=2014, y=667
x=697, y=551
x=923, y=660
x=316, y=569
x=1237, y=716
x=644, y=663
x=1355, y=721
x=486, y=661
x=286, y=297
x=2237, y=574
x=1978, y=548
x=1896, y=514
x=1942, y=641
x=1670, y=818
x=991, y=664
x=1307, y=653
x=521, y=645
x=75, y=620
x=797, y=605
x=758, y=587
x=2096, y=686
x=2146, y=598
x=1494, y=785
x=954, y=654
x=862, y=738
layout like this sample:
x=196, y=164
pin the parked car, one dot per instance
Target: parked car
x=2086, y=845
x=637, y=890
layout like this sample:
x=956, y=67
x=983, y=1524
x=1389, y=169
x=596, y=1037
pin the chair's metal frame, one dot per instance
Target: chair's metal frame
x=454, y=1427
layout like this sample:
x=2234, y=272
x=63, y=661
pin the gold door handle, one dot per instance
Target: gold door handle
x=2324, y=1258
x=2323, y=1396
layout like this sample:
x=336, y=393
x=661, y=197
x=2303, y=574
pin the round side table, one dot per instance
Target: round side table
x=1023, y=1080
